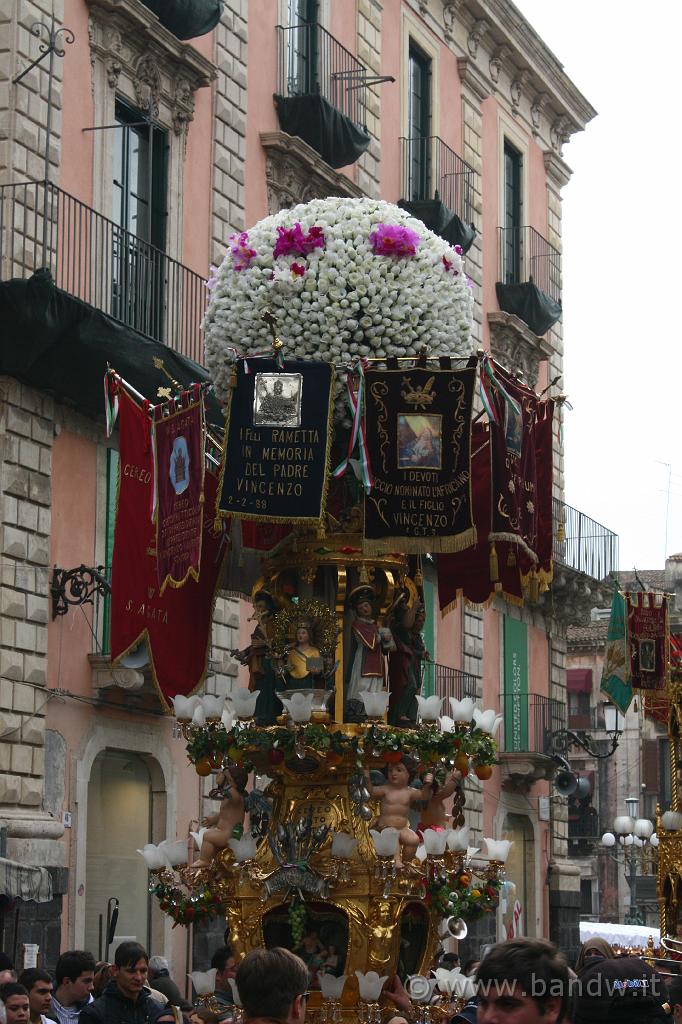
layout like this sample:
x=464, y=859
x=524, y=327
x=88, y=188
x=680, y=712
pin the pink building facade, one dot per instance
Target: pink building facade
x=160, y=149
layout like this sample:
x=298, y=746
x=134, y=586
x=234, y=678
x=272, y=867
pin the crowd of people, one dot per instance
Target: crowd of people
x=519, y=981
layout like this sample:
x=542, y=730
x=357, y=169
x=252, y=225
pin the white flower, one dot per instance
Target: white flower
x=381, y=303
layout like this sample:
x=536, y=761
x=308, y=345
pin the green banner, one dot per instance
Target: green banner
x=615, y=680
x=515, y=685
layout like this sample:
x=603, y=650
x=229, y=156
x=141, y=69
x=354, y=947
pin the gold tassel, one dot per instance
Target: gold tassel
x=534, y=587
x=561, y=532
x=419, y=575
x=511, y=558
x=494, y=568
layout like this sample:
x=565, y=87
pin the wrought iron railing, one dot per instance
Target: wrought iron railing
x=312, y=61
x=524, y=255
x=92, y=258
x=529, y=719
x=447, y=682
x=590, y=720
x=582, y=544
x=431, y=170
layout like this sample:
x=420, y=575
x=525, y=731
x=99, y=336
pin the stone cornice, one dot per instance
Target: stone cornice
x=472, y=77
x=557, y=169
x=142, y=26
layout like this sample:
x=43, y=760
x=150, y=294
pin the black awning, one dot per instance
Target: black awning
x=187, y=19
x=442, y=221
x=62, y=346
x=530, y=304
x=337, y=139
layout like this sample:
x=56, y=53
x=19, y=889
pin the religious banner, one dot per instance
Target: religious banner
x=615, y=679
x=276, y=461
x=419, y=423
x=648, y=639
x=515, y=685
x=513, y=416
x=179, y=477
x=176, y=624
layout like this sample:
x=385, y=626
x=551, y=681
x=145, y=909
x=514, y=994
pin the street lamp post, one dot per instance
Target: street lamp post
x=633, y=834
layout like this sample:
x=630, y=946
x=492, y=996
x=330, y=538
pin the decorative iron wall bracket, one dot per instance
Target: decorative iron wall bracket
x=77, y=587
x=563, y=739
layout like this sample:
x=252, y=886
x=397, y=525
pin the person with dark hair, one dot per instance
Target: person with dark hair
x=15, y=1000
x=75, y=979
x=7, y=972
x=226, y=967
x=675, y=999
x=125, y=999
x=273, y=983
x=159, y=976
x=523, y=981
x=470, y=966
x=622, y=990
x=38, y=984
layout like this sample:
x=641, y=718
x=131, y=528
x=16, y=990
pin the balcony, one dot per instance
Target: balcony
x=93, y=259
x=447, y=682
x=529, y=278
x=582, y=544
x=437, y=186
x=525, y=741
x=321, y=93
x=583, y=828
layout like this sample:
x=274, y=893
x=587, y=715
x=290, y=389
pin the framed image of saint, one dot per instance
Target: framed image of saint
x=277, y=400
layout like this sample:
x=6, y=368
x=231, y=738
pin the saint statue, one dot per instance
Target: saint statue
x=262, y=674
x=305, y=665
x=370, y=644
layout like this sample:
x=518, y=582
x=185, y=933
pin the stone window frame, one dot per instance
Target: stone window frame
x=508, y=131
x=134, y=58
x=411, y=30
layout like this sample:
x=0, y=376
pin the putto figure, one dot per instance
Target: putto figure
x=228, y=823
x=396, y=799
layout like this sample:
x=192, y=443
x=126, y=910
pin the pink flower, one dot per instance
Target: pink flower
x=458, y=250
x=292, y=241
x=449, y=266
x=212, y=278
x=394, y=240
x=298, y=269
x=242, y=254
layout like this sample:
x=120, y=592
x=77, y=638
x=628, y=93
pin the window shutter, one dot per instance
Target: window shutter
x=650, y=762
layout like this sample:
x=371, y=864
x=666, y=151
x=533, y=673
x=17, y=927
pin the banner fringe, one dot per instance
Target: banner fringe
x=513, y=538
x=420, y=545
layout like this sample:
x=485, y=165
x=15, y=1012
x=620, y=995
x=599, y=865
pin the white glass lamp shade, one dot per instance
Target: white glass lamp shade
x=472, y=851
x=458, y=839
x=644, y=828
x=343, y=845
x=153, y=857
x=198, y=837
x=628, y=840
x=434, y=842
x=498, y=849
x=446, y=723
x=199, y=716
x=608, y=839
x=213, y=706
x=370, y=985
x=332, y=988
x=654, y=840
x=375, y=703
x=420, y=989
x=671, y=821
x=235, y=993
x=244, y=703
x=175, y=851
x=637, y=841
x=385, y=842
x=204, y=981
x=623, y=824
x=184, y=707
x=421, y=853
x=610, y=717
x=447, y=980
x=299, y=706
x=487, y=721
x=430, y=707
x=228, y=718
x=465, y=988
x=462, y=710
x=243, y=849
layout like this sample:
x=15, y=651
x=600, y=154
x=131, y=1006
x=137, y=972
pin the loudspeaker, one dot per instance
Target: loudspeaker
x=582, y=788
x=138, y=658
x=566, y=783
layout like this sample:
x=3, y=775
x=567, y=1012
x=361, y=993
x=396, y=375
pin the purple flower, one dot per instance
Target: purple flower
x=292, y=241
x=298, y=269
x=242, y=254
x=458, y=250
x=394, y=240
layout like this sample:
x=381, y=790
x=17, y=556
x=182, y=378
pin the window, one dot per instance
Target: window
x=585, y=895
x=303, y=56
x=511, y=256
x=112, y=492
x=139, y=212
x=518, y=913
x=419, y=124
x=579, y=710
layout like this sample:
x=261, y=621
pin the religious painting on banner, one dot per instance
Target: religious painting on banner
x=615, y=681
x=513, y=423
x=176, y=624
x=648, y=639
x=179, y=476
x=419, y=422
x=277, y=442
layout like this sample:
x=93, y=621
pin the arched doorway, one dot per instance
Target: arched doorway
x=518, y=904
x=120, y=817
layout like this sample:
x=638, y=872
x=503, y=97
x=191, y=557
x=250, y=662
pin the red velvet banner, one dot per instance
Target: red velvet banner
x=177, y=623
x=179, y=446
x=648, y=639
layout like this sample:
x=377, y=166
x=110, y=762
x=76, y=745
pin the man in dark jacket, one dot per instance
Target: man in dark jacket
x=125, y=1000
x=160, y=979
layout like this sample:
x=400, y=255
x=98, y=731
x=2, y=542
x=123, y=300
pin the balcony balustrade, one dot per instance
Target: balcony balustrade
x=431, y=170
x=582, y=544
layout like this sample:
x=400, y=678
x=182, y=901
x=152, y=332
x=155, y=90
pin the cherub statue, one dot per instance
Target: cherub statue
x=228, y=823
x=433, y=813
x=397, y=797
x=257, y=656
x=370, y=644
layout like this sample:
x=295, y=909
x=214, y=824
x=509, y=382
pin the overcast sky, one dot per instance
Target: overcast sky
x=622, y=240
